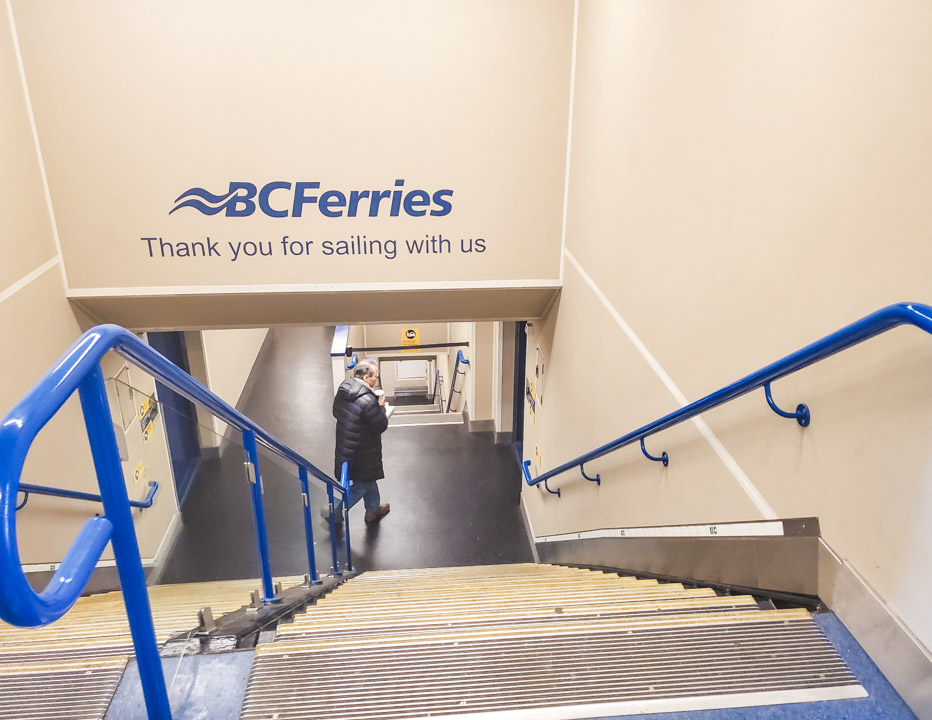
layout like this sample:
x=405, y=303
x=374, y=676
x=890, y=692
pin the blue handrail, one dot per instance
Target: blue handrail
x=460, y=360
x=26, y=489
x=867, y=327
x=80, y=370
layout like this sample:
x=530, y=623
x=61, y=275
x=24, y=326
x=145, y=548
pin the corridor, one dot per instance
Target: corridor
x=454, y=494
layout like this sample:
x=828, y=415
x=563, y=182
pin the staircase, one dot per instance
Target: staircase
x=417, y=408
x=529, y=641
x=71, y=668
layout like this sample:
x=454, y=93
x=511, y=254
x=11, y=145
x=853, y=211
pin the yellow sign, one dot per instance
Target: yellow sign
x=409, y=337
x=531, y=402
x=140, y=473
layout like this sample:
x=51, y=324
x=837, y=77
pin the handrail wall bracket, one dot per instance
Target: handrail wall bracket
x=880, y=321
x=664, y=458
x=597, y=479
x=802, y=415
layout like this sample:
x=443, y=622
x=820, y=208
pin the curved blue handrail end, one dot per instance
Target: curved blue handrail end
x=869, y=326
x=19, y=603
x=461, y=358
x=353, y=362
x=150, y=497
x=526, y=466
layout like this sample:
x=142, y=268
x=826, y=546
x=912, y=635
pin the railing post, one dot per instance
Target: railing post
x=456, y=367
x=308, y=530
x=345, y=482
x=333, y=531
x=113, y=494
x=258, y=511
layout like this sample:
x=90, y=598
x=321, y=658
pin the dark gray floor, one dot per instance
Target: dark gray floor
x=454, y=494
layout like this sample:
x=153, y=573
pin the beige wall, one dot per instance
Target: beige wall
x=147, y=453
x=357, y=336
x=746, y=177
x=230, y=356
x=504, y=421
x=389, y=335
x=41, y=325
x=470, y=97
x=197, y=364
x=27, y=239
x=481, y=368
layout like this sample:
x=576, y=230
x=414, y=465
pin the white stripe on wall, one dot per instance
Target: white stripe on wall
x=569, y=138
x=25, y=280
x=743, y=480
x=35, y=137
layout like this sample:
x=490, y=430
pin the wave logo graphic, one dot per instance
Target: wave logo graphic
x=281, y=198
x=208, y=203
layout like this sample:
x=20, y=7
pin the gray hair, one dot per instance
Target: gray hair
x=366, y=368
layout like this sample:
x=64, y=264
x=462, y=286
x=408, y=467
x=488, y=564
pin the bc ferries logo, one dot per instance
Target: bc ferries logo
x=280, y=199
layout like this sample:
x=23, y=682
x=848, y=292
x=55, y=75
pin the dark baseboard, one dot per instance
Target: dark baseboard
x=782, y=564
x=477, y=425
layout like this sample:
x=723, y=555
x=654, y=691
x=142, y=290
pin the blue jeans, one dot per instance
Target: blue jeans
x=368, y=491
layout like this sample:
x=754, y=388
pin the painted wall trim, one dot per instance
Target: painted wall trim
x=310, y=288
x=569, y=137
x=742, y=478
x=35, y=136
x=9, y=292
x=51, y=567
x=768, y=528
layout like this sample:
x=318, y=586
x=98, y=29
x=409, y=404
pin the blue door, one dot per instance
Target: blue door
x=179, y=413
x=517, y=423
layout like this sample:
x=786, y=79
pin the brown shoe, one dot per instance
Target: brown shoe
x=374, y=516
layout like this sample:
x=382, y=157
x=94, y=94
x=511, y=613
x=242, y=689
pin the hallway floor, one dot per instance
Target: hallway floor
x=454, y=494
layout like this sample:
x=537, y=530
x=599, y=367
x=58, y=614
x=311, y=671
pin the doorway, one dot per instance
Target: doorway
x=180, y=414
x=517, y=422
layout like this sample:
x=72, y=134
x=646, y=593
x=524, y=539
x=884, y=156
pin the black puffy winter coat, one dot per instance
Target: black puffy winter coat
x=360, y=424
